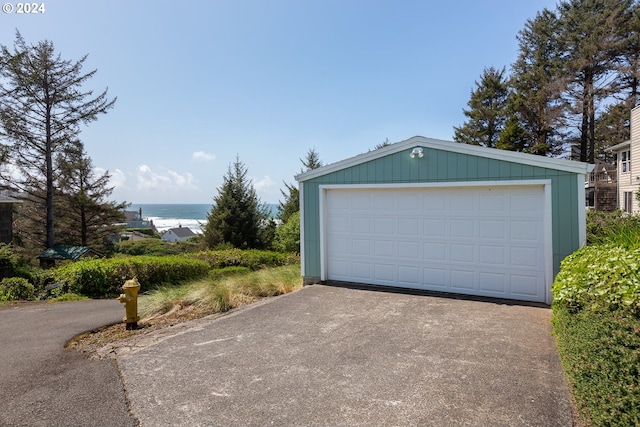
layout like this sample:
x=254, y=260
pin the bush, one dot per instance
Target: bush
x=155, y=247
x=613, y=228
x=100, y=278
x=16, y=288
x=599, y=277
x=253, y=259
x=288, y=235
x=601, y=357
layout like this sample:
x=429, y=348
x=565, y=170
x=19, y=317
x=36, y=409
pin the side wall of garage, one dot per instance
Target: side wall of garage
x=444, y=166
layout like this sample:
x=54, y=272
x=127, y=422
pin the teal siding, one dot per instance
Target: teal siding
x=444, y=166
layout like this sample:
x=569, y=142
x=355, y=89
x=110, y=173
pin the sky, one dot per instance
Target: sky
x=201, y=83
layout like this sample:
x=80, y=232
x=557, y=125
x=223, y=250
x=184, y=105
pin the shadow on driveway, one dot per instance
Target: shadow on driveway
x=344, y=356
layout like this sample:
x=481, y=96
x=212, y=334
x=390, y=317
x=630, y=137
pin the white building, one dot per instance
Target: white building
x=180, y=234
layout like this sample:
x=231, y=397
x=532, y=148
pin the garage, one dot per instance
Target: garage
x=454, y=218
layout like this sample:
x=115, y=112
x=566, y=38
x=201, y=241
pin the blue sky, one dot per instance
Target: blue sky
x=201, y=82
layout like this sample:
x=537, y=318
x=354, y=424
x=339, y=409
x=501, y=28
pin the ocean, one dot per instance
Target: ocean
x=193, y=216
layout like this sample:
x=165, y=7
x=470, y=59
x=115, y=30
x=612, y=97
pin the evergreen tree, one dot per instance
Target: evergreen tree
x=291, y=203
x=42, y=106
x=85, y=215
x=536, y=103
x=487, y=110
x=594, y=33
x=237, y=216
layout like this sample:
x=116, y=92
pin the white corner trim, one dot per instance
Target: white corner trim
x=548, y=237
x=582, y=211
x=301, y=207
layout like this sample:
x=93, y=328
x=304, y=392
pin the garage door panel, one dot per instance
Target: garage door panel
x=434, y=227
x=461, y=252
x=480, y=241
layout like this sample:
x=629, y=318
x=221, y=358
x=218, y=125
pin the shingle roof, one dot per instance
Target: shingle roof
x=182, y=232
x=66, y=252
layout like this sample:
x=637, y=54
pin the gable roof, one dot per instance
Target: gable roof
x=67, y=252
x=619, y=147
x=438, y=144
x=7, y=199
x=181, y=232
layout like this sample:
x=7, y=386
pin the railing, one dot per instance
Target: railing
x=601, y=177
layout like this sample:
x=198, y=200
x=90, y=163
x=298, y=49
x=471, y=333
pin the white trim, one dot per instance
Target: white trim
x=455, y=147
x=547, y=212
x=301, y=208
x=548, y=236
x=582, y=211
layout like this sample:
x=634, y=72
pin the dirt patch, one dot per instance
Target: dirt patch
x=113, y=340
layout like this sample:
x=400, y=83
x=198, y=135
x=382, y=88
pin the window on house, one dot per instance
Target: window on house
x=625, y=161
x=628, y=201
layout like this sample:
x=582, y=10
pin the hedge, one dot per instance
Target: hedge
x=252, y=258
x=103, y=278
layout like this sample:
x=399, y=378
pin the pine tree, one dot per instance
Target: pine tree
x=291, y=203
x=536, y=102
x=237, y=216
x=487, y=110
x=594, y=33
x=85, y=215
x=42, y=107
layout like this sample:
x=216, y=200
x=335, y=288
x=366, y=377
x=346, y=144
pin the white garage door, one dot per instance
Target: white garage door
x=487, y=241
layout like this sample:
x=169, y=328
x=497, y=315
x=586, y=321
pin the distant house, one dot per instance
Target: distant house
x=49, y=257
x=601, y=187
x=180, y=234
x=6, y=218
x=135, y=220
x=628, y=165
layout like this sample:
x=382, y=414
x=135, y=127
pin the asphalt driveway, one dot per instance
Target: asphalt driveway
x=41, y=383
x=336, y=356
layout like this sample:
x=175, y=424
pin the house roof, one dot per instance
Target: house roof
x=67, y=252
x=7, y=199
x=181, y=232
x=438, y=144
x=619, y=147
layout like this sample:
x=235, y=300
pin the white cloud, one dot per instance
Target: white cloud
x=117, y=177
x=263, y=184
x=201, y=155
x=164, y=182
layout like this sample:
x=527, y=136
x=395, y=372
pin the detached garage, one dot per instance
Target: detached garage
x=442, y=216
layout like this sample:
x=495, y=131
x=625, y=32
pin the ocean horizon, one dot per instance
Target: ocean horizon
x=171, y=215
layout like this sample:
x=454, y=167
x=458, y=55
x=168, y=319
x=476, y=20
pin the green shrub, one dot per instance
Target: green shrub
x=600, y=353
x=613, y=228
x=101, y=278
x=16, y=288
x=253, y=259
x=599, y=277
x=288, y=235
x=221, y=273
x=155, y=247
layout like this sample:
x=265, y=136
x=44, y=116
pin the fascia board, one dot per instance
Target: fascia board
x=455, y=147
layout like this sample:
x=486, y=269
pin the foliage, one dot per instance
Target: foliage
x=291, y=202
x=16, y=288
x=84, y=214
x=613, y=227
x=42, y=108
x=599, y=277
x=252, y=259
x=155, y=247
x=222, y=292
x=600, y=355
x=487, y=111
x=573, y=83
x=288, y=235
x=236, y=216
x=8, y=261
x=100, y=278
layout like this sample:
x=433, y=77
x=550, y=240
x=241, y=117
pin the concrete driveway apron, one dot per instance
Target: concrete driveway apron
x=338, y=356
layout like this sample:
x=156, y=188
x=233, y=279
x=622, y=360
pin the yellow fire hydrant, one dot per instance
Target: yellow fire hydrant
x=130, y=299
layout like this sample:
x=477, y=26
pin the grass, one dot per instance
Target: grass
x=220, y=292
